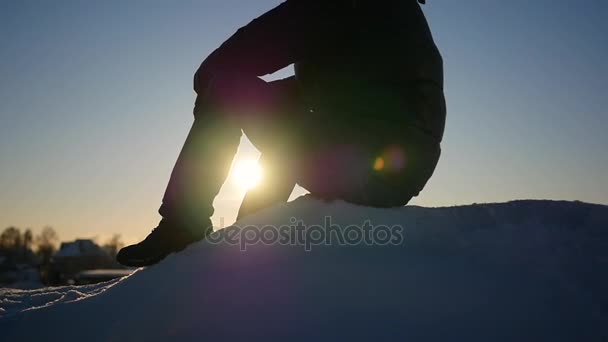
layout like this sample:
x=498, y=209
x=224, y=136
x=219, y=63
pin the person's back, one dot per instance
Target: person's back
x=383, y=52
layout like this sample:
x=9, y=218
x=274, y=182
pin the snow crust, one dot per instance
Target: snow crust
x=518, y=271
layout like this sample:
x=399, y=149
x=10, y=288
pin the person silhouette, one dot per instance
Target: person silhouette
x=361, y=120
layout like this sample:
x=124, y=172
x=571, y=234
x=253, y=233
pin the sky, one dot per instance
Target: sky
x=96, y=99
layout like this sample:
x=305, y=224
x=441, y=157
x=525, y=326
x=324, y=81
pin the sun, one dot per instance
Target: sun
x=247, y=174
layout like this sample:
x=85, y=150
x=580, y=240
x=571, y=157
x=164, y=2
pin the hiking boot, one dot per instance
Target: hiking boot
x=165, y=239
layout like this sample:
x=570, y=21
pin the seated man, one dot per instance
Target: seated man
x=361, y=120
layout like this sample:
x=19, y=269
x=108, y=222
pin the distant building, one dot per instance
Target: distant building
x=77, y=256
x=80, y=248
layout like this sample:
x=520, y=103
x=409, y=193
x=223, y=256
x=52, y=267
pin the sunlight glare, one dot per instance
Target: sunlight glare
x=247, y=174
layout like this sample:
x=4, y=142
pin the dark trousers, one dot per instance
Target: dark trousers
x=332, y=152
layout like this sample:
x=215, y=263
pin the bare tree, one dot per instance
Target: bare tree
x=113, y=245
x=46, y=243
x=17, y=246
x=10, y=239
x=28, y=239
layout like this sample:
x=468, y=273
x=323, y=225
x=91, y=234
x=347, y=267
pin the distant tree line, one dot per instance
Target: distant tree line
x=20, y=250
x=25, y=247
x=18, y=247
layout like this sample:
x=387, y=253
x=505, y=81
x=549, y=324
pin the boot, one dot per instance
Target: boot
x=168, y=237
x=197, y=177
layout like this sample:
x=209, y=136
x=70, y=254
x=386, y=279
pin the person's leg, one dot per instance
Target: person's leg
x=400, y=171
x=200, y=170
x=381, y=175
x=362, y=155
x=229, y=104
x=276, y=136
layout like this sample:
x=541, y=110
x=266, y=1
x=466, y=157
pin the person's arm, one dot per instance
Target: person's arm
x=280, y=37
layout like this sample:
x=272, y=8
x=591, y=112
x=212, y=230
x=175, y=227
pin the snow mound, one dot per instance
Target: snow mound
x=14, y=301
x=526, y=270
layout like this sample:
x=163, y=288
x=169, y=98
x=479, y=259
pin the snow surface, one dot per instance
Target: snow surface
x=519, y=271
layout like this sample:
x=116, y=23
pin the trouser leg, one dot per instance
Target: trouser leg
x=367, y=161
x=230, y=104
x=275, y=134
x=200, y=170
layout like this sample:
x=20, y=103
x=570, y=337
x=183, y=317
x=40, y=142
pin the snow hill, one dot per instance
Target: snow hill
x=519, y=271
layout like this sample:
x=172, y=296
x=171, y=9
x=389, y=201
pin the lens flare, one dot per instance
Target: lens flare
x=379, y=164
x=392, y=160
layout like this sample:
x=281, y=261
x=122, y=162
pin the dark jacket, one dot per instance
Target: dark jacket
x=348, y=54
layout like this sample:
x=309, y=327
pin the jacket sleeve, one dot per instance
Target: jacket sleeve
x=278, y=38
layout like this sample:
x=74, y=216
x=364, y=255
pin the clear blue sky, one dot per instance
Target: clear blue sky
x=96, y=99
